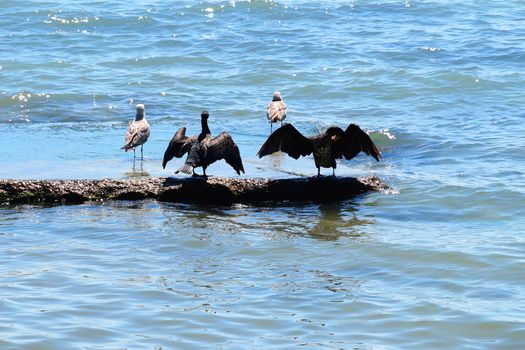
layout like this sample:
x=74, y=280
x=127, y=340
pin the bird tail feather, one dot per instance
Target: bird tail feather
x=126, y=147
x=186, y=168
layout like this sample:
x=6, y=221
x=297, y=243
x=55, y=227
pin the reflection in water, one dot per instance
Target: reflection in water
x=277, y=159
x=346, y=285
x=336, y=220
x=137, y=171
x=141, y=164
x=326, y=221
x=266, y=248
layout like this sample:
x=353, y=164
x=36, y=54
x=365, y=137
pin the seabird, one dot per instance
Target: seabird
x=333, y=144
x=276, y=110
x=179, y=145
x=138, y=133
x=207, y=150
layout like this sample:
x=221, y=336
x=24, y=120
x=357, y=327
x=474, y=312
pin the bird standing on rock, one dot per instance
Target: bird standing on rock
x=276, y=110
x=326, y=147
x=204, y=150
x=138, y=133
x=181, y=144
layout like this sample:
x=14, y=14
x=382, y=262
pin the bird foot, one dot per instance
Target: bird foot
x=199, y=175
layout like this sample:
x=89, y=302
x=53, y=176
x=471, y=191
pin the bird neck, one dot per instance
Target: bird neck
x=139, y=116
x=205, y=129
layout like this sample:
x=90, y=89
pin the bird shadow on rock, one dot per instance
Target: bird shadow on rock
x=259, y=190
x=196, y=189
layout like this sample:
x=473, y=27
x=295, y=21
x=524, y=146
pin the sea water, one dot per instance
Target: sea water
x=437, y=262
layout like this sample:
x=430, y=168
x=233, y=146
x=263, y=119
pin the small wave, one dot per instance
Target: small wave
x=43, y=107
x=431, y=49
x=55, y=19
x=387, y=133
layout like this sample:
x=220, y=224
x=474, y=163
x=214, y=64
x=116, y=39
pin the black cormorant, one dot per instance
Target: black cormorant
x=333, y=144
x=179, y=145
x=207, y=150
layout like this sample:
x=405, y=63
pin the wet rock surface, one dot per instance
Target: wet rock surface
x=187, y=190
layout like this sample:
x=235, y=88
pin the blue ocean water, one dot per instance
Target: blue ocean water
x=435, y=263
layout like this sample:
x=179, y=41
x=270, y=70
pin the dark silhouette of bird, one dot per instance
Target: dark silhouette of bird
x=326, y=147
x=179, y=145
x=276, y=110
x=138, y=133
x=207, y=150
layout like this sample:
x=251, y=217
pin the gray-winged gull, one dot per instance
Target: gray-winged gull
x=276, y=110
x=138, y=132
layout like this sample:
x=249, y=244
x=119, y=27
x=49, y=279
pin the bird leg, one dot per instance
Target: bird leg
x=318, y=171
x=141, y=152
x=271, y=127
x=197, y=175
x=333, y=172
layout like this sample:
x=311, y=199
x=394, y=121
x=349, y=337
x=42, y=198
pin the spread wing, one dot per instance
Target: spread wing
x=287, y=139
x=276, y=111
x=179, y=145
x=223, y=147
x=138, y=133
x=355, y=140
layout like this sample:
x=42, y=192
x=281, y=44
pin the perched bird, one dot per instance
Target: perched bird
x=207, y=150
x=333, y=144
x=276, y=110
x=179, y=145
x=138, y=132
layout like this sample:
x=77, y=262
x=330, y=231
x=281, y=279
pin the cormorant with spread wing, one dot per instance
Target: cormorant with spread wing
x=179, y=145
x=206, y=149
x=333, y=144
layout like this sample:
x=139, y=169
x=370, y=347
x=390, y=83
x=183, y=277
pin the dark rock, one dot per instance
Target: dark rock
x=187, y=190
